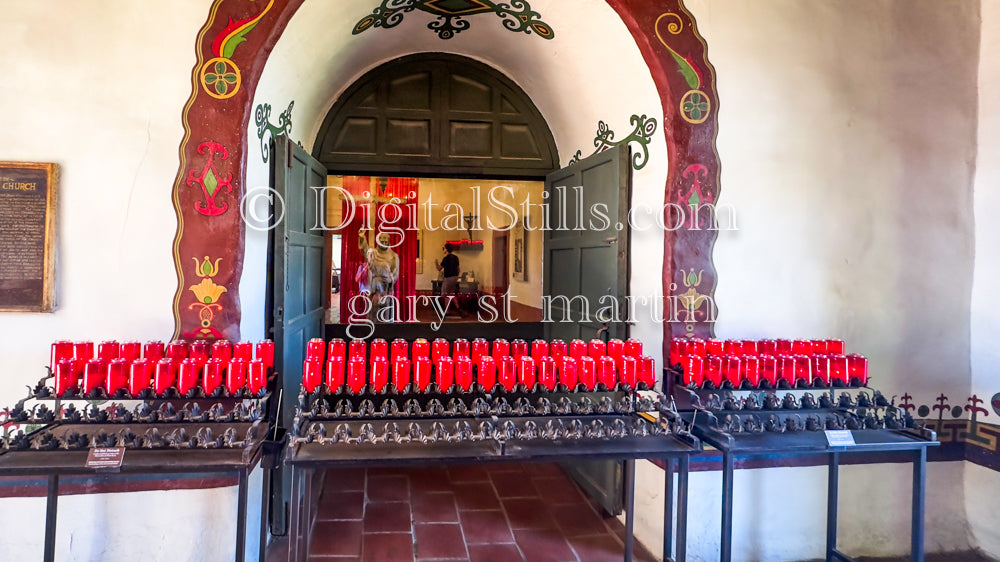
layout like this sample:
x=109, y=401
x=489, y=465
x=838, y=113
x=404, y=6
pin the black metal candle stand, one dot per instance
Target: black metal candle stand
x=367, y=404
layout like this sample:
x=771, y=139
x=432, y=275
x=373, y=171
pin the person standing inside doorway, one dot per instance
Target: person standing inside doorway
x=449, y=267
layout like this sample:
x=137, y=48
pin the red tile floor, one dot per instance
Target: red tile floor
x=502, y=513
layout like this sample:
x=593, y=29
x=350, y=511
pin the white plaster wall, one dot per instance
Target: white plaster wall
x=985, y=318
x=98, y=87
x=847, y=145
x=780, y=513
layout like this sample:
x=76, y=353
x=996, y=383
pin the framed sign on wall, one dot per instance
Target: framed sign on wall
x=28, y=193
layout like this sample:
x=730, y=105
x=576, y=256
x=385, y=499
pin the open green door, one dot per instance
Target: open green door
x=586, y=264
x=296, y=257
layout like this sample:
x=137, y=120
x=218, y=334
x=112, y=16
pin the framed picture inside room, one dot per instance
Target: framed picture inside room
x=519, y=250
x=28, y=194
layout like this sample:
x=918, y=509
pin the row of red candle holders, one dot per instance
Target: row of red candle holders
x=595, y=365
x=756, y=371
x=680, y=347
x=178, y=366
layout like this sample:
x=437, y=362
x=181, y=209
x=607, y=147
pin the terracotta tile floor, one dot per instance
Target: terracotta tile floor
x=501, y=513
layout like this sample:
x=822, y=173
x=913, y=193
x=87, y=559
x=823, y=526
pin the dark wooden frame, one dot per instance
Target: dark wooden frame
x=51, y=171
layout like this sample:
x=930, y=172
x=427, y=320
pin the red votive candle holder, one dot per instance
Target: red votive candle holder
x=518, y=349
x=107, y=350
x=222, y=350
x=177, y=350
x=606, y=375
x=94, y=375
x=378, y=348
x=802, y=347
x=336, y=375
x=547, y=372
x=60, y=351
x=337, y=348
x=803, y=369
x=265, y=352
x=615, y=348
x=312, y=374
x=629, y=371
x=835, y=347
x=647, y=374
x=420, y=348
x=732, y=347
x=187, y=377
x=596, y=349
x=694, y=370
x=83, y=350
x=460, y=348
x=506, y=372
x=633, y=348
x=258, y=376
x=696, y=346
x=838, y=369
x=244, y=350
x=566, y=372
x=731, y=369
x=713, y=370
x=356, y=374
x=379, y=372
x=236, y=375
x=749, y=347
x=439, y=349
x=199, y=350
x=526, y=374
x=153, y=351
x=586, y=372
x=783, y=347
x=401, y=373
x=65, y=377
x=211, y=377
x=714, y=347
x=539, y=349
x=577, y=348
x=480, y=348
x=165, y=375
x=315, y=350
x=750, y=370
x=769, y=369
x=117, y=377
x=767, y=347
x=678, y=349
x=821, y=369
x=501, y=348
x=421, y=373
x=786, y=369
x=557, y=349
x=399, y=348
x=129, y=351
x=445, y=371
x=820, y=347
x=463, y=372
x=857, y=369
x=486, y=374
x=357, y=349
x=138, y=376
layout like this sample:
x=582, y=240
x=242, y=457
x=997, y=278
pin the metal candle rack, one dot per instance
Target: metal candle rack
x=219, y=420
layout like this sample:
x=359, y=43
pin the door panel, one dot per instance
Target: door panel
x=296, y=285
x=586, y=258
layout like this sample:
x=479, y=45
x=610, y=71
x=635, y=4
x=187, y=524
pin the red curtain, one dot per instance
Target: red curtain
x=405, y=190
x=350, y=256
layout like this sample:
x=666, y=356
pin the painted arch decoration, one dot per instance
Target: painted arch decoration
x=232, y=48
